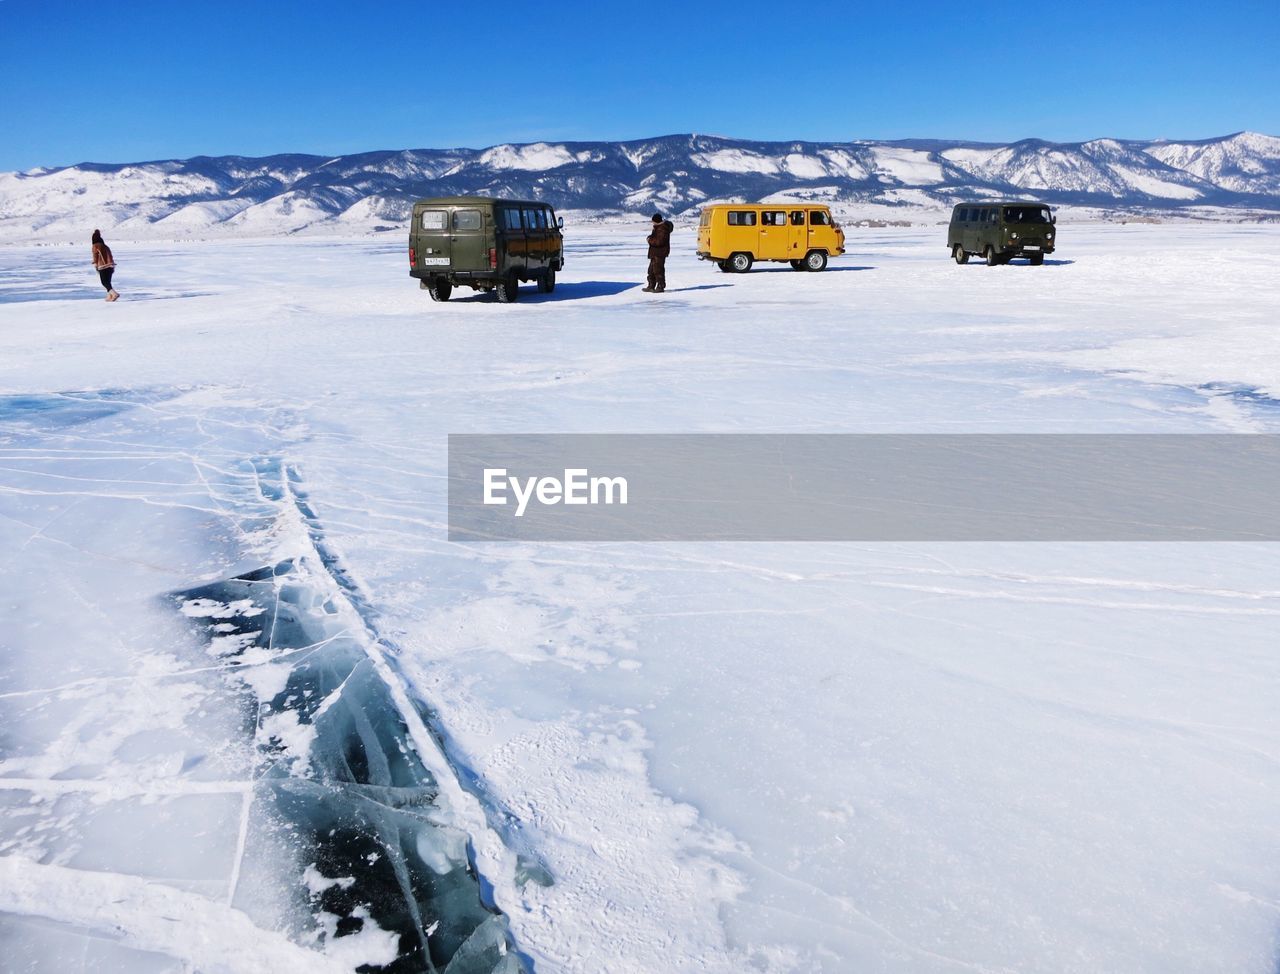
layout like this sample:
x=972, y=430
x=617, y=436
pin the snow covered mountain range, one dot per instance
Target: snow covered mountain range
x=372, y=190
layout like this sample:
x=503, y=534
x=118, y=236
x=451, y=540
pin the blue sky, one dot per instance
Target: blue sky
x=135, y=81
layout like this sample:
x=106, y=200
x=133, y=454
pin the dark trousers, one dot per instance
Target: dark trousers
x=104, y=275
x=658, y=273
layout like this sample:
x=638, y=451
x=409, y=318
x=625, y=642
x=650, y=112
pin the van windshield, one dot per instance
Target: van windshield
x=1026, y=214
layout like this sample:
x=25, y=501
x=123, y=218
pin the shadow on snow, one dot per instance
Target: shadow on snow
x=564, y=292
x=829, y=269
x=1020, y=262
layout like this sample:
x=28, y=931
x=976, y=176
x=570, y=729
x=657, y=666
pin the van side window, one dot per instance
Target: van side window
x=433, y=220
x=797, y=218
x=467, y=220
x=742, y=218
x=510, y=218
x=774, y=218
x=995, y=216
x=531, y=221
x=819, y=218
x=550, y=217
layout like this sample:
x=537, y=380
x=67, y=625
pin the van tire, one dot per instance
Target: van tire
x=439, y=290
x=815, y=260
x=1037, y=260
x=740, y=262
x=960, y=255
x=797, y=265
x=992, y=257
x=547, y=281
x=507, y=289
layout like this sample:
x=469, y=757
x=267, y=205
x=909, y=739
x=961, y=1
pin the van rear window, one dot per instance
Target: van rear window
x=467, y=220
x=742, y=218
x=433, y=219
x=705, y=219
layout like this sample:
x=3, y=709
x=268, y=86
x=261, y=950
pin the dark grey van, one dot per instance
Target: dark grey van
x=485, y=243
x=1001, y=231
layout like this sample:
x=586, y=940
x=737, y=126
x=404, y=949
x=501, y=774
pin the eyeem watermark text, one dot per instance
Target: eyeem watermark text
x=864, y=487
x=576, y=487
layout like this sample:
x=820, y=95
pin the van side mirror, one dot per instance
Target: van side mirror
x=1053, y=218
x=560, y=222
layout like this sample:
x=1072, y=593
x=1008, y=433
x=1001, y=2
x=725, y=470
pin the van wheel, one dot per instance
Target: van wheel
x=992, y=257
x=1037, y=260
x=815, y=260
x=740, y=263
x=960, y=254
x=547, y=281
x=797, y=265
x=439, y=290
x=508, y=289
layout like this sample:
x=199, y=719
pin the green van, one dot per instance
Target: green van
x=1001, y=231
x=485, y=243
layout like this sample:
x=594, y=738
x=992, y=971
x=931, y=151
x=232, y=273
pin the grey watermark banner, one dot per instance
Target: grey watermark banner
x=864, y=487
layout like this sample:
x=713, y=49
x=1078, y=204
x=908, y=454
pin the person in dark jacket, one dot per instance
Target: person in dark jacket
x=104, y=264
x=659, y=250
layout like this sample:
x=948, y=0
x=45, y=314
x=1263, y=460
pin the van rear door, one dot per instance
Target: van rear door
x=469, y=250
x=432, y=245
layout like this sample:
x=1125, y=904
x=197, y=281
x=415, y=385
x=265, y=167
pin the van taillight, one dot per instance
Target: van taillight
x=413, y=261
x=493, y=257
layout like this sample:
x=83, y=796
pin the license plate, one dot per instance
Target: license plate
x=435, y=261
x=1032, y=247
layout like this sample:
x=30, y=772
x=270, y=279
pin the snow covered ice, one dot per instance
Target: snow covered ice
x=241, y=659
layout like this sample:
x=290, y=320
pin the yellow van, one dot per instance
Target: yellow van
x=735, y=235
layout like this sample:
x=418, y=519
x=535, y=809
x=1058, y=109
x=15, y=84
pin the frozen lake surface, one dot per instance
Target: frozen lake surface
x=622, y=757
